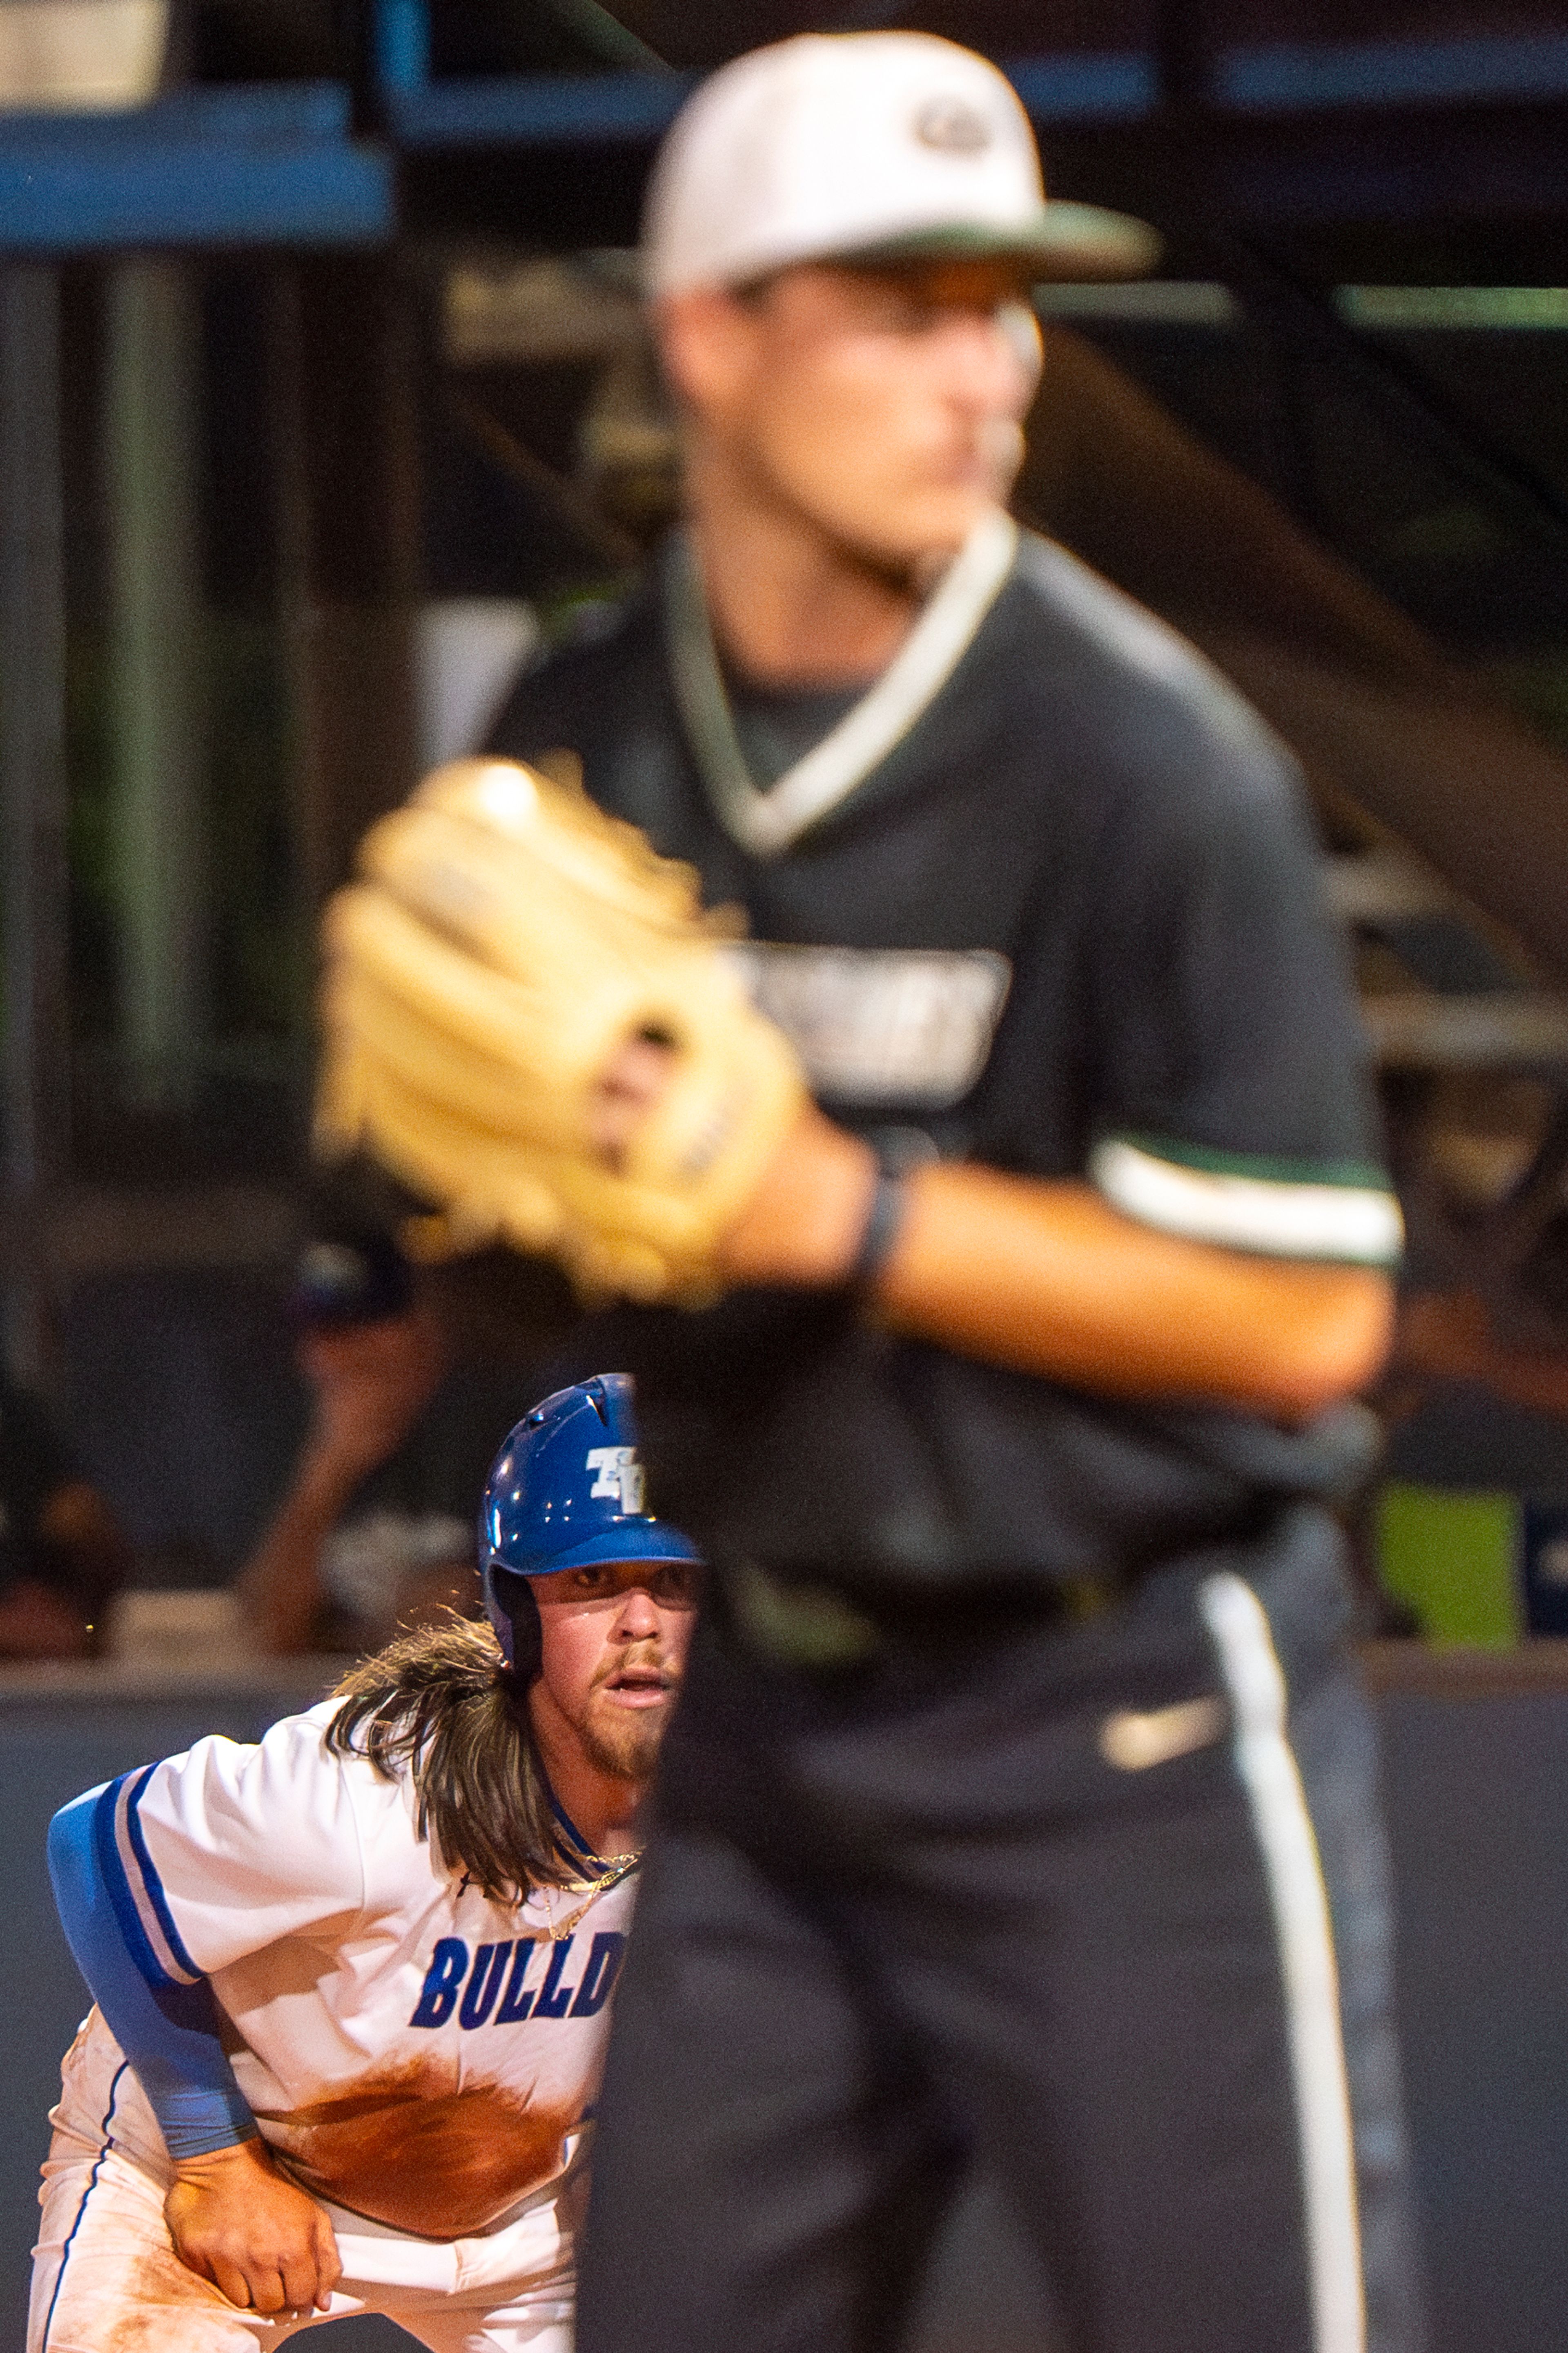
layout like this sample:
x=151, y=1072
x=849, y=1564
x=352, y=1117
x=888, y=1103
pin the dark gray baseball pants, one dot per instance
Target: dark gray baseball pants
x=1105, y=1905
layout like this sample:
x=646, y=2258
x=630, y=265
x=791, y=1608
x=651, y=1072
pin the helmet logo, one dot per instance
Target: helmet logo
x=952, y=125
x=619, y=1475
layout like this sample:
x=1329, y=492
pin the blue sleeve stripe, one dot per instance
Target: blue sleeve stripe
x=111, y=1872
x=149, y=1879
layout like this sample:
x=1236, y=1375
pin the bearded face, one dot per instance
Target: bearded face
x=614, y=1639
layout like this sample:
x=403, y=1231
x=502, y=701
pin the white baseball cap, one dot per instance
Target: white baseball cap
x=873, y=147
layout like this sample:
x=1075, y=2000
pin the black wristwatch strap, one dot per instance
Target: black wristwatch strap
x=880, y=1230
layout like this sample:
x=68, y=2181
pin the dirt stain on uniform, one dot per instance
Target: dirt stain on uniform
x=159, y=2304
x=415, y=2151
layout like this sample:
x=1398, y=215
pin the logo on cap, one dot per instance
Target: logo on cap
x=952, y=125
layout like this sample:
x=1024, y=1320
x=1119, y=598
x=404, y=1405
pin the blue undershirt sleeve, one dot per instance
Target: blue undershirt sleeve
x=168, y=2031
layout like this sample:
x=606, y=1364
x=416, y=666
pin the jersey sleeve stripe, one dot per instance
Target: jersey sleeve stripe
x=145, y=1889
x=112, y=1869
x=1332, y=1214
x=183, y=1965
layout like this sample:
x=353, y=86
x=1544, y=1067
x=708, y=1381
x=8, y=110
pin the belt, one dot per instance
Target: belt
x=815, y=1621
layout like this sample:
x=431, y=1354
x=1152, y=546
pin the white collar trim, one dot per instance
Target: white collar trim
x=767, y=823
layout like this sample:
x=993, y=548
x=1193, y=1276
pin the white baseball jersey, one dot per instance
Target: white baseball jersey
x=422, y=2055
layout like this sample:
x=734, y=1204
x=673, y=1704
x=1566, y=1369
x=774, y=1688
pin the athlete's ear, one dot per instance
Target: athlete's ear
x=710, y=341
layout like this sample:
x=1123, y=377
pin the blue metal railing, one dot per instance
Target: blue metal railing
x=282, y=163
x=1291, y=77
x=269, y=164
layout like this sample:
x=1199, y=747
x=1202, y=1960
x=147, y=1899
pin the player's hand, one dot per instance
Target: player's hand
x=804, y=1224
x=263, y=2244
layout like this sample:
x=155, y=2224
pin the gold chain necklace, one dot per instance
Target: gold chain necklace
x=590, y=1890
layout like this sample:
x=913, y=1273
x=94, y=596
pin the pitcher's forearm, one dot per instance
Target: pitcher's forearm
x=1050, y=1279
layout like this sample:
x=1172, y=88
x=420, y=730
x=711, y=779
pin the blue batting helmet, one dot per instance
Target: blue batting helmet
x=565, y=1492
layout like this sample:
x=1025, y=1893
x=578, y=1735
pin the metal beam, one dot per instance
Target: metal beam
x=33, y=889
x=349, y=444
x=1280, y=77
x=1524, y=1036
x=269, y=164
x=151, y=452
x=1406, y=132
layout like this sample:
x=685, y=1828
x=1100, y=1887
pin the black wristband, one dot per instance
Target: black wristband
x=880, y=1230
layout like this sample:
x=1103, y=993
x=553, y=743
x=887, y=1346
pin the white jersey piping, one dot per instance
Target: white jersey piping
x=1256, y=1683
x=767, y=823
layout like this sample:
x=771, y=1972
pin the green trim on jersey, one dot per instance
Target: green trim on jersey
x=1364, y=1175
x=1273, y=1208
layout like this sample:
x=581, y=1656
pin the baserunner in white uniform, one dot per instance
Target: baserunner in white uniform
x=353, y=1983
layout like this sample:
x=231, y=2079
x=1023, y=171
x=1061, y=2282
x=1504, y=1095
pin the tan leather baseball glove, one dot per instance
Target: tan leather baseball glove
x=505, y=940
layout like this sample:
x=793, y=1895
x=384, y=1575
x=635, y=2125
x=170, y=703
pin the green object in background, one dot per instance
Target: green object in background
x=1455, y=1559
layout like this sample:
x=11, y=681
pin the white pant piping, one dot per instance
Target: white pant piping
x=1256, y=1683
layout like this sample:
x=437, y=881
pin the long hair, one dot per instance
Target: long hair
x=442, y=1706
